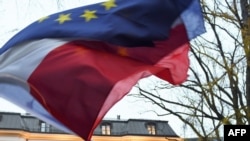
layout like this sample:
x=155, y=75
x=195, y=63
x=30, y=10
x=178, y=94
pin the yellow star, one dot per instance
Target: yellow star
x=43, y=19
x=63, y=18
x=89, y=15
x=109, y=4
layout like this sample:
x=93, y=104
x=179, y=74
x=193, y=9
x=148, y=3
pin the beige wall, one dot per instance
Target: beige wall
x=10, y=135
x=134, y=138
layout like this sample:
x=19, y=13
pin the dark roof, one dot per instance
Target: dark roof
x=17, y=121
x=11, y=121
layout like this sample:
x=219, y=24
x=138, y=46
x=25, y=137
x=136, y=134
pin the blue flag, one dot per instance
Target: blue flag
x=126, y=23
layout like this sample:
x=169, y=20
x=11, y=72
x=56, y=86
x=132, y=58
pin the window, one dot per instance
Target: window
x=151, y=128
x=44, y=127
x=106, y=129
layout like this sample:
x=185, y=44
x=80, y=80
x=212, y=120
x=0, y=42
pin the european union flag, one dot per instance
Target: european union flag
x=120, y=22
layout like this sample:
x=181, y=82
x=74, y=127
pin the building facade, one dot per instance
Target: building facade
x=19, y=127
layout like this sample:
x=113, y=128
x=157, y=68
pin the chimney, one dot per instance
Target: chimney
x=118, y=117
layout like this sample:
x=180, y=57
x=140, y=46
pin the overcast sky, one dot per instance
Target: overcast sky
x=16, y=14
